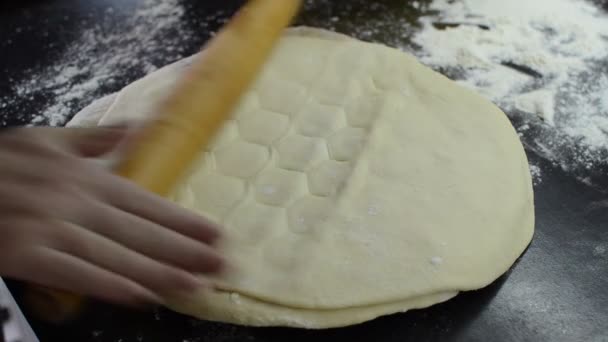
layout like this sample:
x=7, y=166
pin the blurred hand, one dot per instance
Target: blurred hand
x=68, y=223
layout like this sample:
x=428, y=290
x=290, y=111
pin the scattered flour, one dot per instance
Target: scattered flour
x=543, y=61
x=105, y=56
x=600, y=250
x=535, y=171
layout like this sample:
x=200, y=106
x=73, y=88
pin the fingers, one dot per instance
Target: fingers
x=31, y=142
x=144, y=236
x=118, y=191
x=121, y=244
x=91, y=142
x=129, y=197
x=59, y=270
x=112, y=256
x=52, y=142
x=151, y=239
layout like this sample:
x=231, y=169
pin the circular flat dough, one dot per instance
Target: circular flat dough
x=352, y=182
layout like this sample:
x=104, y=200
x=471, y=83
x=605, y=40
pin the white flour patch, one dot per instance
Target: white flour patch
x=536, y=173
x=542, y=61
x=600, y=250
x=155, y=34
x=436, y=260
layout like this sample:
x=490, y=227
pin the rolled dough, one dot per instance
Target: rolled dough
x=352, y=182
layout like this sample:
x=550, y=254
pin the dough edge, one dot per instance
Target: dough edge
x=236, y=308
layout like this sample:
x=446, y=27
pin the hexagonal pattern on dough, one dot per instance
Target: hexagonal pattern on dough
x=249, y=102
x=347, y=143
x=205, y=163
x=319, y=120
x=336, y=91
x=328, y=178
x=279, y=187
x=273, y=98
x=263, y=127
x=299, y=153
x=305, y=215
x=221, y=194
x=229, y=134
x=241, y=159
x=286, y=154
x=363, y=111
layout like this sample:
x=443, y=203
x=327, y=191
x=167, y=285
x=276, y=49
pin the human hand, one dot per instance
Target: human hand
x=68, y=223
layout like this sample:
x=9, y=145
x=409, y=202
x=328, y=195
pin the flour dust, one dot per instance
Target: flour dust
x=106, y=57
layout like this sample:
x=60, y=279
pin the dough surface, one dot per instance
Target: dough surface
x=353, y=182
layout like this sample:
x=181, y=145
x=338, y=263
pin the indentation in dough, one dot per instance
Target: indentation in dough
x=282, y=97
x=279, y=187
x=204, y=163
x=363, y=111
x=249, y=102
x=254, y=222
x=229, y=134
x=346, y=144
x=318, y=120
x=297, y=152
x=263, y=127
x=336, y=91
x=220, y=193
x=328, y=178
x=241, y=159
x=305, y=215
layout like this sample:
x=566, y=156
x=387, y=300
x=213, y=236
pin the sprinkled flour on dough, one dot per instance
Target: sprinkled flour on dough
x=436, y=261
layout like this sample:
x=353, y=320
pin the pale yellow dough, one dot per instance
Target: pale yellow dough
x=352, y=182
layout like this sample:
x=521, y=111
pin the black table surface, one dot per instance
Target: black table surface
x=557, y=291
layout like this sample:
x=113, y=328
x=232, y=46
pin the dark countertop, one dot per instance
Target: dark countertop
x=558, y=291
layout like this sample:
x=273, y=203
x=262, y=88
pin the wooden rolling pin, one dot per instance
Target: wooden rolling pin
x=164, y=148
